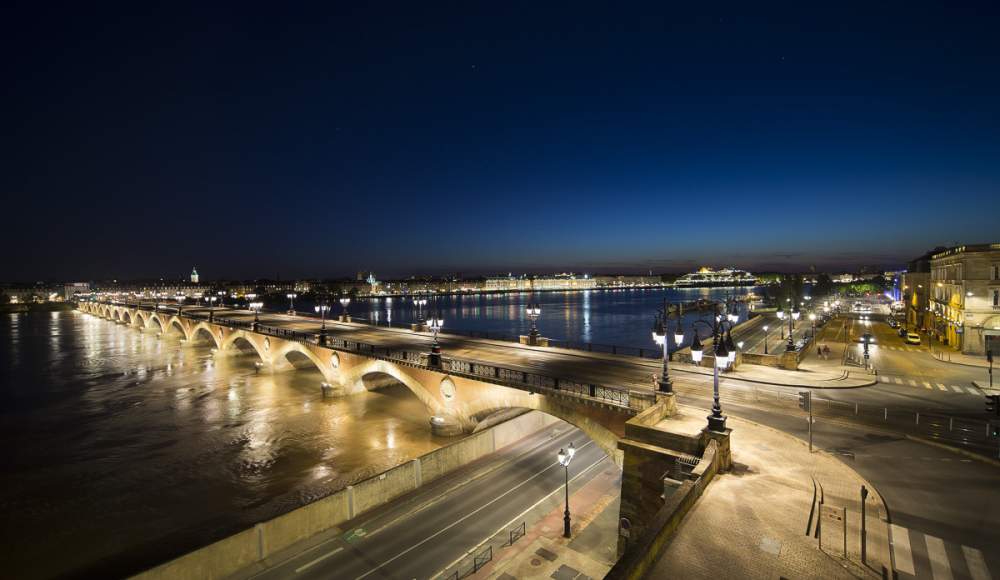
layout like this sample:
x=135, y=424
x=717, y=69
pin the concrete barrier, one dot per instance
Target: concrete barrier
x=229, y=555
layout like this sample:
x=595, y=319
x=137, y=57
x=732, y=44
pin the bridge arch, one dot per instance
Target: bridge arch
x=353, y=382
x=204, y=330
x=242, y=343
x=176, y=323
x=127, y=317
x=140, y=319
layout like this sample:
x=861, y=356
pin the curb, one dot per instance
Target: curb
x=763, y=382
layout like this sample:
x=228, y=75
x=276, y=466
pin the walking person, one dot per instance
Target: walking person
x=826, y=351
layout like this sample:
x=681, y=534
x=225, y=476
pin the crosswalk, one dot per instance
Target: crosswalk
x=920, y=555
x=929, y=385
x=902, y=348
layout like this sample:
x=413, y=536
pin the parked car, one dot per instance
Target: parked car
x=912, y=338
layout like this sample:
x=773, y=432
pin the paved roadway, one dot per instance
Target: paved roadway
x=425, y=532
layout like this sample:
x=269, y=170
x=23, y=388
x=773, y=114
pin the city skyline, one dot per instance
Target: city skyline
x=415, y=140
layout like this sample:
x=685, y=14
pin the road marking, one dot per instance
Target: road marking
x=507, y=525
x=927, y=385
x=472, y=513
x=913, y=383
x=317, y=560
x=956, y=388
x=901, y=550
x=940, y=567
x=898, y=380
x=973, y=391
x=977, y=565
x=942, y=387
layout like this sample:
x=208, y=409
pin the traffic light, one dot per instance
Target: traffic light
x=992, y=405
x=805, y=400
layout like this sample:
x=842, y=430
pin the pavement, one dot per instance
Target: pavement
x=945, y=354
x=752, y=522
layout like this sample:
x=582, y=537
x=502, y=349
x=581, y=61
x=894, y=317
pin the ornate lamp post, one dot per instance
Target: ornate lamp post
x=660, y=337
x=180, y=302
x=222, y=296
x=322, y=308
x=435, y=322
x=344, y=302
x=255, y=307
x=211, y=307
x=291, y=302
x=533, y=311
x=565, y=458
x=716, y=421
x=765, y=339
x=812, y=319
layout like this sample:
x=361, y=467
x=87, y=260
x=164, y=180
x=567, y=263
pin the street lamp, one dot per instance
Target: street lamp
x=291, y=302
x=565, y=458
x=180, y=302
x=344, y=301
x=322, y=308
x=790, y=347
x=720, y=338
x=222, y=296
x=211, y=307
x=812, y=319
x=665, y=384
x=781, y=316
x=533, y=311
x=256, y=306
x=435, y=322
x=765, y=339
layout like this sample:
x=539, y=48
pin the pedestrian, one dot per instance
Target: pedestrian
x=819, y=351
x=826, y=351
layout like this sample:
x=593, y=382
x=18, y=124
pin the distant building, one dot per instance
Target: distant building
x=525, y=284
x=75, y=289
x=915, y=284
x=194, y=275
x=965, y=299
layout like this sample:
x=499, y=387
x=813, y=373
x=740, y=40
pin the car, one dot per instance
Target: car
x=912, y=338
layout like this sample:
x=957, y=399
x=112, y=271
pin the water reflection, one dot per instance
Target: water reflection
x=131, y=447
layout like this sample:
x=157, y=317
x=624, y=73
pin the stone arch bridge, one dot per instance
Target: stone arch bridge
x=457, y=392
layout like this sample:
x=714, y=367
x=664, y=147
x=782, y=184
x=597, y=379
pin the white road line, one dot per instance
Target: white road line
x=901, y=549
x=977, y=565
x=956, y=388
x=898, y=380
x=913, y=383
x=942, y=387
x=472, y=513
x=317, y=560
x=927, y=385
x=940, y=567
x=973, y=391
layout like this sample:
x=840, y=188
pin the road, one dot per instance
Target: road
x=427, y=531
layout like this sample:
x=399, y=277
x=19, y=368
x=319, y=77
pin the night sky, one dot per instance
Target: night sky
x=262, y=140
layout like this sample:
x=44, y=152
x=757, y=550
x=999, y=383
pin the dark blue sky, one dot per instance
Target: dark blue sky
x=408, y=138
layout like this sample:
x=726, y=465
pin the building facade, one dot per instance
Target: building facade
x=965, y=298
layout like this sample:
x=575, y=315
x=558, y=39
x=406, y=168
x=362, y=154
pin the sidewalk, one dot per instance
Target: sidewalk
x=955, y=357
x=751, y=523
x=839, y=378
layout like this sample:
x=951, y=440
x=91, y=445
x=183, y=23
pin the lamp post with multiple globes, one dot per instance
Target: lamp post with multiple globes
x=533, y=311
x=435, y=322
x=291, y=302
x=660, y=337
x=725, y=355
